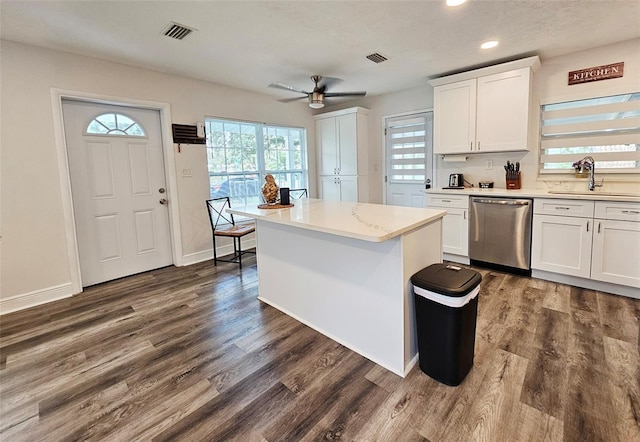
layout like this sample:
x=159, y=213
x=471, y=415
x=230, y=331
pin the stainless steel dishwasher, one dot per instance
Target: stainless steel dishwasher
x=500, y=232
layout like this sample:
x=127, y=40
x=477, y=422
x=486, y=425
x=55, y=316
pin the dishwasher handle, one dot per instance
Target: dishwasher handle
x=503, y=202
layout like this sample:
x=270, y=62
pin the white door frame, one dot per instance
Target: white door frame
x=383, y=169
x=57, y=95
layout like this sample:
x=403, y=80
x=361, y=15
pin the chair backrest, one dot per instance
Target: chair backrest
x=217, y=214
x=296, y=194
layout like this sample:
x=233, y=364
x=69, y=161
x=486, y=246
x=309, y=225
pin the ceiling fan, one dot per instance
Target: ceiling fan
x=317, y=96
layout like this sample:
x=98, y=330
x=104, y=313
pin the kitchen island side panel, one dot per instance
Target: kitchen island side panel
x=420, y=248
x=355, y=292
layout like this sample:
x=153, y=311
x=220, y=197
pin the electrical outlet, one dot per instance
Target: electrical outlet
x=186, y=173
x=489, y=165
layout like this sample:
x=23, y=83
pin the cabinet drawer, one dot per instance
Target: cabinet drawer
x=616, y=210
x=577, y=208
x=448, y=200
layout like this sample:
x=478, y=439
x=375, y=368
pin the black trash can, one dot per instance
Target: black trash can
x=446, y=299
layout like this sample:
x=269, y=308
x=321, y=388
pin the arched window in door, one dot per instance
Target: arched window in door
x=115, y=124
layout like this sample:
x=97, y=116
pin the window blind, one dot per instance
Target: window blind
x=606, y=128
x=406, y=145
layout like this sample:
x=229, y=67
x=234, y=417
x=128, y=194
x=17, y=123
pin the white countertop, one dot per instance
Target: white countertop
x=540, y=193
x=367, y=222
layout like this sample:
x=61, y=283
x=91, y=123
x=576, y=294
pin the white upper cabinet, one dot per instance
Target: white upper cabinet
x=486, y=110
x=503, y=111
x=341, y=142
x=455, y=117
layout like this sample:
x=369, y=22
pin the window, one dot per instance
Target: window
x=115, y=124
x=605, y=128
x=407, y=147
x=241, y=153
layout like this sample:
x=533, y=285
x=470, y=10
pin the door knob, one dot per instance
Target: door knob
x=161, y=190
x=164, y=201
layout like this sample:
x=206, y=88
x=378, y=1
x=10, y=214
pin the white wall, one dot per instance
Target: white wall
x=410, y=100
x=34, y=256
x=550, y=81
x=33, y=246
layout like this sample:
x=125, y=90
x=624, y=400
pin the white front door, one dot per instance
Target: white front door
x=118, y=184
x=408, y=158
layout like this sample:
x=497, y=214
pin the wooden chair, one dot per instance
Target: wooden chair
x=296, y=194
x=223, y=224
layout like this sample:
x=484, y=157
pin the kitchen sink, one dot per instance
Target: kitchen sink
x=590, y=193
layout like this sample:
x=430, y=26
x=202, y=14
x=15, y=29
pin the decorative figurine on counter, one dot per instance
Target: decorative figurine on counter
x=270, y=190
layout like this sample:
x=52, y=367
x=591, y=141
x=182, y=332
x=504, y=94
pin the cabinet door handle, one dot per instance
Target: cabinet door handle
x=478, y=145
x=631, y=212
x=587, y=226
x=471, y=146
x=446, y=201
x=599, y=227
x=464, y=214
x=562, y=208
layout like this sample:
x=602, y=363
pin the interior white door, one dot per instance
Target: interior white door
x=118, y=187
x=408, y=157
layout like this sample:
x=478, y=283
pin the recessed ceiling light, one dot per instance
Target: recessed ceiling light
x=455, y=2
x=489, y=44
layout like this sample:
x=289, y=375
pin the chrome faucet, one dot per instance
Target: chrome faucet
x=590, y=164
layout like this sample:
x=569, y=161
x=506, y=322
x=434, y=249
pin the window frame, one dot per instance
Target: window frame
x=115, y=132
x=598, y=136
x=254, y=179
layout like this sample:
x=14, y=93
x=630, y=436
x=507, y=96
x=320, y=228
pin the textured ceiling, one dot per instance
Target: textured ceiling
x=249, y=44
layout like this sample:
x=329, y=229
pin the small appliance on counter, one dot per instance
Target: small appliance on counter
x=456, y=181
x=486, y=184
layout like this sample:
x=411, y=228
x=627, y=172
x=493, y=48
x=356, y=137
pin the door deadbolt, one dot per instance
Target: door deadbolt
x=161, y=190
x=163, y=201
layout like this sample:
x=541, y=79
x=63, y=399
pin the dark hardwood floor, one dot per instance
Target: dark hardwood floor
x=191, y=354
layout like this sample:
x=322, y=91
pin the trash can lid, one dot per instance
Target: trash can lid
x=447, y=279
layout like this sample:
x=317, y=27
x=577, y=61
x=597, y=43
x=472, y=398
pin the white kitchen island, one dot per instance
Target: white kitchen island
x=344, y=269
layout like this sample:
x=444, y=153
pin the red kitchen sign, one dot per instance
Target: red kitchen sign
x=596, y=73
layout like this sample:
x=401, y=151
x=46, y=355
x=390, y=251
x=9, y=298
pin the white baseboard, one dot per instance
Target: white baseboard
x=205, y=255
x=591, y=284
x=32, y=299
x=411, y=364
x=456, y=258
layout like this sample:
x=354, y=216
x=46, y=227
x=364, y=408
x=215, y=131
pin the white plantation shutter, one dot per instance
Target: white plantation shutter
x=606, y=128
x=406, y=147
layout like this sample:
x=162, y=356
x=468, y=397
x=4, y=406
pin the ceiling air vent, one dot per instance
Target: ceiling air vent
x=377, y=58
x=177, y=31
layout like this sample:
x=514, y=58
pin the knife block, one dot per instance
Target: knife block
x=513, y=182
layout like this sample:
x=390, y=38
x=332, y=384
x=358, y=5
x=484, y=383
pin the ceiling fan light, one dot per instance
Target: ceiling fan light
x=316, y=100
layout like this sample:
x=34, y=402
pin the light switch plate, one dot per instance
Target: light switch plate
x=489, y=165
x=186, y=173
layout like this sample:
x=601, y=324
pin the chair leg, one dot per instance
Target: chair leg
x=239, y=252
x=215, y=255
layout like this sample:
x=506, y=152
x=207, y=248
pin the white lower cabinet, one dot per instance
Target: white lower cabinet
x=455, y=224
x=599, y=241
x=616, y=252
x=343, y=188
x=562, y=244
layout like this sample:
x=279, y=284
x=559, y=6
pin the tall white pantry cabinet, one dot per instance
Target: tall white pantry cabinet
x=342, y=146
